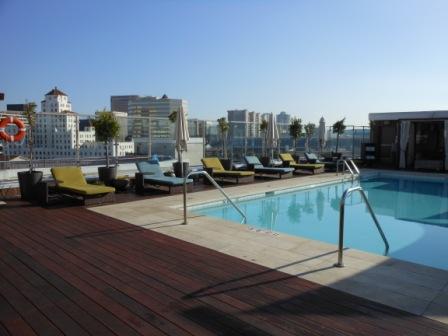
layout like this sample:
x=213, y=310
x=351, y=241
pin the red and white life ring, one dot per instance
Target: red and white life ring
x=15, y=137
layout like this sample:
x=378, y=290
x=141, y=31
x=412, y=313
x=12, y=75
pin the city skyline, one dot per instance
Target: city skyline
x=310, y=59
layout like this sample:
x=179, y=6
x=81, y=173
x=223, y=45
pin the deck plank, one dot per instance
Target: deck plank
x=67, y=269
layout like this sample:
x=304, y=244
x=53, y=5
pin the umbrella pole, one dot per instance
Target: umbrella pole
x=181, y=164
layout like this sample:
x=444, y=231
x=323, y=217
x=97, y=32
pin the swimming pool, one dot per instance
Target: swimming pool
x=412, y=210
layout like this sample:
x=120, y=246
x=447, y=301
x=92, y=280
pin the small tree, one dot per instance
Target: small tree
x=338, y=128
x=224, y=127
x=107, y=128
x=295, y=130
x=309, y=132
x=30, y=116
x=263, y=129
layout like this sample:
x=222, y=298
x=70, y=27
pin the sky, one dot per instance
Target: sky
x=312, y=58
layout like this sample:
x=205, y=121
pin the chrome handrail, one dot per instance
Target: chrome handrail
x=355, y=167
x=346, y=193
x=354, y=171
x=212, y=180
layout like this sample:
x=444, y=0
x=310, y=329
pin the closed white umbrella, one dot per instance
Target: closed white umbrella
x=182, y=136
x=272, y=135
x=322, y=134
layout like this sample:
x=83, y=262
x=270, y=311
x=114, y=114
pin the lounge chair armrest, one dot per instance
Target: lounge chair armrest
x=139, y=183
x=209, y=171
x=250, y=166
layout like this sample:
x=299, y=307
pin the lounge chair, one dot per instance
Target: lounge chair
x=314, y=168
x=214, y=167
x=312, y=158
x=71, y=181
x=254, y=164
x=150, y=175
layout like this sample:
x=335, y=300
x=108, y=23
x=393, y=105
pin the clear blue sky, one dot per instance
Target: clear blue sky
x=310, y=58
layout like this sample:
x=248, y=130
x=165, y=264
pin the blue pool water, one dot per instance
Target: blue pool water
x=412, y=211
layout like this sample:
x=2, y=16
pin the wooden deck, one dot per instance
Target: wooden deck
x=71, y=271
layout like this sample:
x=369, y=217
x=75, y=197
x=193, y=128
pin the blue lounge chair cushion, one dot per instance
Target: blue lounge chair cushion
x=312, y=158
x=165, y=180
x=153, y=173
x=258, y=167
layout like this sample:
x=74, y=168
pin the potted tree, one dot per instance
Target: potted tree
x=295, y=131
x=223, y=126
x=28, y=180
x=309, y=132
x=338, y=129
x=107, y=128
x=265, y=159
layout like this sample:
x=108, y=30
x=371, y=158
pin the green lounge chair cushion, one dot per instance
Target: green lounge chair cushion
x=307, y=165
x=218, y=169
x=286, y=157
x=71, y=179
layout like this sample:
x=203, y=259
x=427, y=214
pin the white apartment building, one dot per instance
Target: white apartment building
x=57, y=133
x=56, y=101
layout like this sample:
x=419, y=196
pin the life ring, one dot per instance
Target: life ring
x=15, y=137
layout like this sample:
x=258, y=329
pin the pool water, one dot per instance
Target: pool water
x=412, y=211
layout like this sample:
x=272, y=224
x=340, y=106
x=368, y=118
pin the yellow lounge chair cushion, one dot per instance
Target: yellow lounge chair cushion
x=307, y=165
x=234, y=173
x=287, y=157
x=72, y=179
x=213, y=163
x=218, y=169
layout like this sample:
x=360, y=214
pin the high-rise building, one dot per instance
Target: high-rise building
x=283, y=118
x=121, y=103
x=238, y=120
x=16, y=107
x=196, y=128
x=161, y=137
x=254, y=124
x=283, y=121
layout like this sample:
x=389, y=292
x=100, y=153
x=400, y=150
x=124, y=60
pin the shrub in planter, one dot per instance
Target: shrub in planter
x=28, y=180
x=107, y=128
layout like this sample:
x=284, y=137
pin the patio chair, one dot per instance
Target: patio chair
x=214, y=167
x=313, y=168
x=71, y=181
x=312, y=158
x=151, y=175
x=254, y=164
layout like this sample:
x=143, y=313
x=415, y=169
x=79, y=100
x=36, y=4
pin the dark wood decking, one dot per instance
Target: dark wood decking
x=71, y=271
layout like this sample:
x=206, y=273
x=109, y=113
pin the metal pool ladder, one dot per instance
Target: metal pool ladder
x=353, y=169
x=347, y=193
x=212, y=180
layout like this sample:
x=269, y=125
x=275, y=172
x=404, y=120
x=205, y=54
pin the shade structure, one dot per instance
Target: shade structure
x=182, y=135
x=322, y=134
x=272, y=135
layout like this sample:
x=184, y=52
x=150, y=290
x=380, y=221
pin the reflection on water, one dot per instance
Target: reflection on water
x=403, y=207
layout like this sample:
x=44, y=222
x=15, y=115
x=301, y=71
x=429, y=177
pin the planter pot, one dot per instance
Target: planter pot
x=107, y=175
x=28, y=184
x=178, y=171
x=226, y=163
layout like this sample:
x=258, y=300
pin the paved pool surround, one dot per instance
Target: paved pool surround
x=414, y=288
